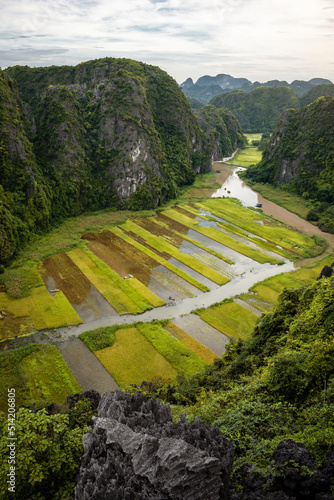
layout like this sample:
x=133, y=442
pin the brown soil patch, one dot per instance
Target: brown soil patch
x=183, y=211
x=200, y=193
x=12, y=326
x=67, y=277
x=141, y=240
x=120, y=256
x=160, y=231
x=172, y=224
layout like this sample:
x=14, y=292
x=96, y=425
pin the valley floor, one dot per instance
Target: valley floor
x=186, y=265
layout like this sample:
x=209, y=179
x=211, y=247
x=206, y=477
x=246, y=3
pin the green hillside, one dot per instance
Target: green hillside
x=300, y=156
x=257, y=111
x=109, y=133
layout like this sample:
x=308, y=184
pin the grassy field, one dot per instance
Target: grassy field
x=292, y=202
x=246, y=157
x=230, y=318
x=38, y=373
x=37, y=311
x=132, y=359
x=175, y=352
x=253, y=137
x=192, y=344
x=264, y=295
x=146, y=351
x=100, y=338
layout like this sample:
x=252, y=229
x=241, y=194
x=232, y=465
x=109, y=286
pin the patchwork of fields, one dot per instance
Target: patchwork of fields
x=138, y=265
x=142, y=352
x=147, y=262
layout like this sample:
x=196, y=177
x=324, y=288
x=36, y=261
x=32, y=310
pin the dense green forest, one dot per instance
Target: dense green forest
x=257, y=111
x=276, y=385
x=300, y=156
x=107, y=133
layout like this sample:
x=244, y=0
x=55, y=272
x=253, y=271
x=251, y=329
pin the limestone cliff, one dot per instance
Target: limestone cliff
x=136, y=451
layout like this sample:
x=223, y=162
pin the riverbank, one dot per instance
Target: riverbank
x=180, y=309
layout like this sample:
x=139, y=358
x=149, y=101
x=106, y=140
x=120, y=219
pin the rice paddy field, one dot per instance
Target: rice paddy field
x=144, y=263
x=147, y=351
x=247, y=156
x=37, y=373
x=264, y=295
x=230, y=318
x=118, y=266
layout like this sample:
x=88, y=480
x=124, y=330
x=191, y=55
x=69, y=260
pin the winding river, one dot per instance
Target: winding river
x=232, y=186
x=88, y=370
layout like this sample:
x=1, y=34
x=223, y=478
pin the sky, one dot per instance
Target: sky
x=256, y=39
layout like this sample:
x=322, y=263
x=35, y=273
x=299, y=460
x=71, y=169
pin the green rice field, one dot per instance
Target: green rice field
x=37, y=373
x=230, y=318
x=264, y=295
x=110, y=272
x=146, y=351
x=246, y=157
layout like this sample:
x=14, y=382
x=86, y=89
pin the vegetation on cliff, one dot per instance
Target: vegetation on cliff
x=278, y=384
x=257, y=111
x=222, y=129
x=300, y=156
x=106, y=133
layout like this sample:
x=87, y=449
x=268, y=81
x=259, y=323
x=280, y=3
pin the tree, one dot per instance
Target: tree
x=47, y=453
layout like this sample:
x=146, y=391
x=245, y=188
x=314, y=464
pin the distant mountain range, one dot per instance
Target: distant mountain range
x=208, y=87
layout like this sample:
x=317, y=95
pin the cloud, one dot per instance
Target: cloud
x=184, y=37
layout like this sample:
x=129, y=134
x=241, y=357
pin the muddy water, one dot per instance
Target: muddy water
x=248, y=197
x=169, y=286
x=203, y=332
x=234, y=187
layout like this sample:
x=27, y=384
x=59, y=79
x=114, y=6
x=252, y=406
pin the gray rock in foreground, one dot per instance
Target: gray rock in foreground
x=136, y=452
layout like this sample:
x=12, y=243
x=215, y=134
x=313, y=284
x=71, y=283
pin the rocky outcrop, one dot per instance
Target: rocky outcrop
x=326, y=272
x=136, y=452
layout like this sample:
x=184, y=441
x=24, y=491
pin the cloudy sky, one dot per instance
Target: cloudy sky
x=256, y=39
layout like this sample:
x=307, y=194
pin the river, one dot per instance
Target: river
x=232, y=186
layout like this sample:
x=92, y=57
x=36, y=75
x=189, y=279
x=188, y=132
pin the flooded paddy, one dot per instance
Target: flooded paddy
x=60, y=273
x=169, y=286
x=86, y=367
x=203, y=332
x=150, y=249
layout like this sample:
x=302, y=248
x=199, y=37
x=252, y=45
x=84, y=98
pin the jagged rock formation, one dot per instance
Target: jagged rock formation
x=207, y=87
x=294, y=476
x=136, y=452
